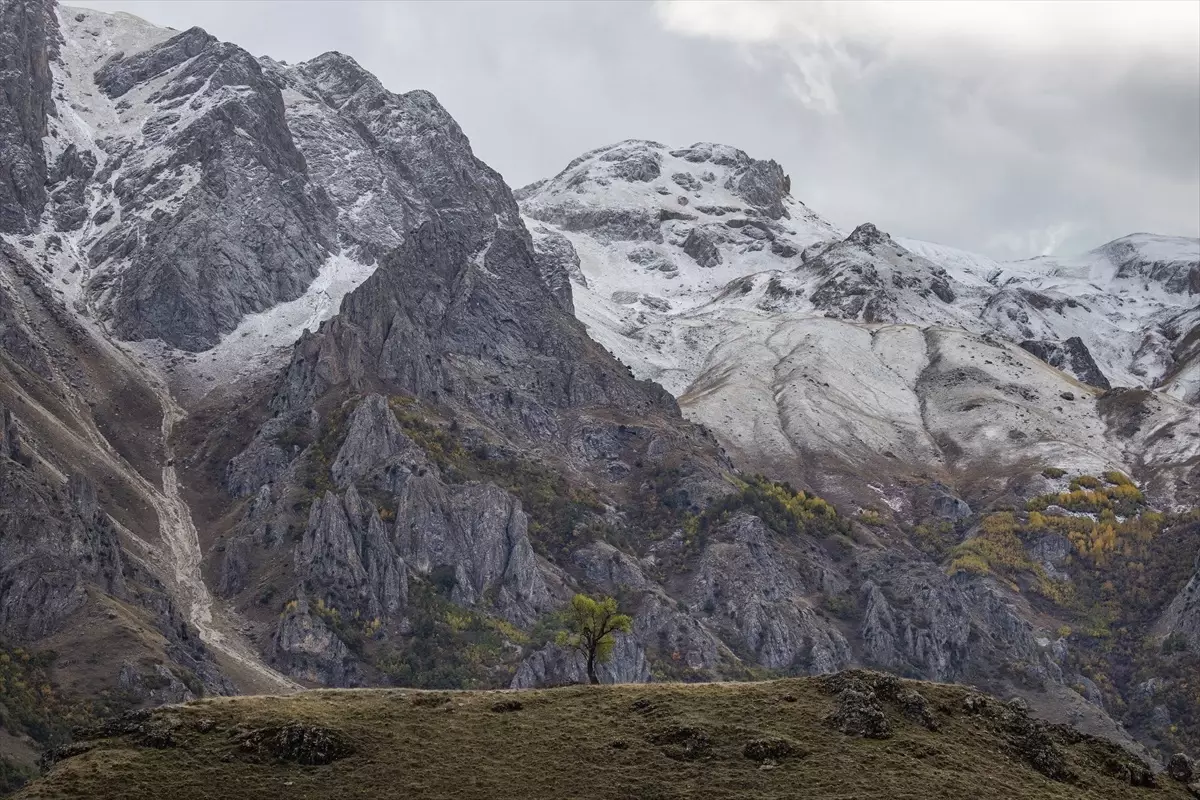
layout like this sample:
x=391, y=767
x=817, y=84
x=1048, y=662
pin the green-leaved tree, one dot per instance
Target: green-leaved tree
x=593, y=621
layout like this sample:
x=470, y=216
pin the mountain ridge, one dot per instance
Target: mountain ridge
x=375, y=423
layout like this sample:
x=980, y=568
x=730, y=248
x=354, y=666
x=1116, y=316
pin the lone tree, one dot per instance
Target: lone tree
x=593, y=623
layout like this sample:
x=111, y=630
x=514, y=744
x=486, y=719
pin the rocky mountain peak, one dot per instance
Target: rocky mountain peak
x=338, y=77
x=867, y=235
x=869, y=276
x=1172, y=262
x=119, y=73
x=419, y=414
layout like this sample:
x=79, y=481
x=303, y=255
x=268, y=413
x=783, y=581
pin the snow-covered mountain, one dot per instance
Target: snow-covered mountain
x=804, y=348
x=293, y=384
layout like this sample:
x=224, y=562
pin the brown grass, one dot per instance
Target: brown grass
x=593, y=743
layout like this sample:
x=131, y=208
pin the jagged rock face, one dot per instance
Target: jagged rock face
x=388, y=161
x=452, y=319
x=472, y=539
x=347, y=552
x=305, y=647
x=376, y=452
x=481, y=533
x=1176, y=346
x=60, y=554
x=1183, y=615
x=869, y=277
x=659, y=624
x=1070, y=356
x=1175, y=273
x=54, y=543
x=558, y=264
x=26, y=45
x=919, y=625
x=701, y=245
x=69, y=177
x=216, y=197
x=753, y=591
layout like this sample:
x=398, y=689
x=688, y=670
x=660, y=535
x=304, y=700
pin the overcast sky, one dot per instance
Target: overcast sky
x=1009, y=129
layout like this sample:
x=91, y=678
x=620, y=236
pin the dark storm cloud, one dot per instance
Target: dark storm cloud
x=1009, y=143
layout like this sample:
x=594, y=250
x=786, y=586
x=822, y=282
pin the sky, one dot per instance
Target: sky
x=1011, y=129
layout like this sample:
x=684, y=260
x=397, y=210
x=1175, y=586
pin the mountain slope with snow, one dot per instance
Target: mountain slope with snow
x=297, y=390
x=800, y=346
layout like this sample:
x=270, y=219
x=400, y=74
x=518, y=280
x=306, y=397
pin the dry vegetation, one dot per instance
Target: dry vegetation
x=756, y=740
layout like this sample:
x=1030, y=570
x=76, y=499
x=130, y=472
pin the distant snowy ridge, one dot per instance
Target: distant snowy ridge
x=794, y=341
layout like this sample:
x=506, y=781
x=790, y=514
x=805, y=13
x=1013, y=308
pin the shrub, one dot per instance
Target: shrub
x=784, y=509
x=1054, y=473
x=871, y=517
x=935, y=537
x=1117, y=478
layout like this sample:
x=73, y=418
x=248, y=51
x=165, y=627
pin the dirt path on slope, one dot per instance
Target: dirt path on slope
x=183, y=552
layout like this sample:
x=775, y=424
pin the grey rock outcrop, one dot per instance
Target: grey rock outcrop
x=922, y=629
x=155, y=687
x=702, y=246
x=1176, y=275
x=868, y=276
x=636, y=164
x=69, y=181
x=480, y=533
x=743, y=582
x=305, y=647
x=940, y=501
x=27, y=43
x=376, y=452
x=54, y=544
x=347, y=553
x=558, y=264
x=1072, y=356
x=490, y=338
x=237, y=225
x=763, y=185
x=659, y=624
x=1182, y=617
x=264, y=460
x=650, y=258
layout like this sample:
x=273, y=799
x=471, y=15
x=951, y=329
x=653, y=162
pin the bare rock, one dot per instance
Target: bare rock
x=702, y=246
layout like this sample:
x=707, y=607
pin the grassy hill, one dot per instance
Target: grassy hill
x=853, y=735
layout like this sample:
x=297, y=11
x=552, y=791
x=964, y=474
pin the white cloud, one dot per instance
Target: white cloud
x=814, y=39
x=1046, y=241
x=1168, y=28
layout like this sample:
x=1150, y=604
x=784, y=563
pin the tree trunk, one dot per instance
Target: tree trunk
x=591, y=669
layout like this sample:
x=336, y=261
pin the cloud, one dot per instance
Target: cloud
x=1159, y=27
x=1002, y=129
x=819, y=39
x=1018, y=126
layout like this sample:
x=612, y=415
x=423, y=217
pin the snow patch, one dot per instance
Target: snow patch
x=261, y=341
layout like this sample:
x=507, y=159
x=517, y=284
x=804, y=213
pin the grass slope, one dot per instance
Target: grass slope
x=619, y=742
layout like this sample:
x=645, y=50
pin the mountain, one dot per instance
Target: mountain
x=812, y=353
x=298, y=393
